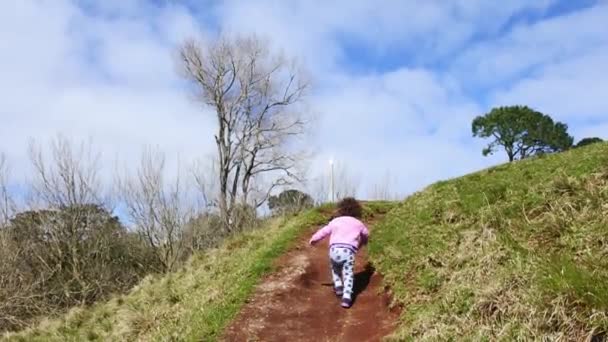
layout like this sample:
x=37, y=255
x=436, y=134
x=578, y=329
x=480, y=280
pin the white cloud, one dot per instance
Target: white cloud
x=572, y=90
x=556, y=66
x=529, y=47
x=81, y=74
x=424, y=30
x=408, y=122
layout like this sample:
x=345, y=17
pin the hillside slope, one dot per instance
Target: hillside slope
x=193, y=304
x=518, y=251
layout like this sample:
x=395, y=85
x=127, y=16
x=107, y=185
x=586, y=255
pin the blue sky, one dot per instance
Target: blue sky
x=396, y=83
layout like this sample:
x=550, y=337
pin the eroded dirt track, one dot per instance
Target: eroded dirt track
x=296, y=303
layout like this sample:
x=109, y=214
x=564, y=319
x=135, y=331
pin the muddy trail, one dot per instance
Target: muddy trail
x=297, y=303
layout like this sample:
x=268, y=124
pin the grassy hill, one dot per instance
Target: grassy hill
x=518, y=251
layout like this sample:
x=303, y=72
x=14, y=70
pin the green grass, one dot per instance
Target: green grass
x=193, y=304
x=514, y=252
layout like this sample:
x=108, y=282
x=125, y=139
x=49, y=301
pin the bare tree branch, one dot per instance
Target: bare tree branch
x=69, y=178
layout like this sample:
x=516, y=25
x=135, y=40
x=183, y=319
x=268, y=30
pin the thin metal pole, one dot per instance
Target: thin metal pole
x=333, y=198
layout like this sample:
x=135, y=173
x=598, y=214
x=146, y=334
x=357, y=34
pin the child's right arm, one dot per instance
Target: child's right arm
x=320, y=234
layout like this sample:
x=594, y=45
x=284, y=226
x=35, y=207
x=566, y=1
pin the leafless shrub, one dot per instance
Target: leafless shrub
x=160, y=209
x=18, y=300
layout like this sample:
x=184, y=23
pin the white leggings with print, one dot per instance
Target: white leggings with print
x=342, y=261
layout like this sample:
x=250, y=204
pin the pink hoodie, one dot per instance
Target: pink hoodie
x=344, y=230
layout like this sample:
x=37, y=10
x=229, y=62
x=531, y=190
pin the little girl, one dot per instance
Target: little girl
x=347, y=234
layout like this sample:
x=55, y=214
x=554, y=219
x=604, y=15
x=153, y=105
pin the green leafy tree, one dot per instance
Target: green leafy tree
x=521, y=131
x=588, y=141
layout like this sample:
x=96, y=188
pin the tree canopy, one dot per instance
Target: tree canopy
x=521, y=131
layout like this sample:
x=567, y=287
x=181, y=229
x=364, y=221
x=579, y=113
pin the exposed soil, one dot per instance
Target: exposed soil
x=297, y=303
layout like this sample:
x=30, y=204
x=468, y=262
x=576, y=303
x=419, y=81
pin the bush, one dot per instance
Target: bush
x=244, y=217
x=289, y=202
x=55, y=259
x=588, y=141
x=204, y=232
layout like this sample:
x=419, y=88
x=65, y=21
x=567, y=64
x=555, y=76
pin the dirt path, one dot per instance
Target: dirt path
x=296, y=303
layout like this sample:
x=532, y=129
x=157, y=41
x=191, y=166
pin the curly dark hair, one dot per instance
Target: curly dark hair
x=349, y=207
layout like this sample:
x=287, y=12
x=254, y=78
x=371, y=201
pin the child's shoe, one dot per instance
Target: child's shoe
x=338, y=290
x=346, y=303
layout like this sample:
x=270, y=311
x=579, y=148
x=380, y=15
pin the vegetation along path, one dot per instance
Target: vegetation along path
x=296, y=303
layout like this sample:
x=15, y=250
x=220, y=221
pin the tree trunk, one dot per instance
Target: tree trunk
x=223, y=196
x=510, y=153
x=224, y=167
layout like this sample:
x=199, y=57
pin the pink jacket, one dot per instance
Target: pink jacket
x=344, y=230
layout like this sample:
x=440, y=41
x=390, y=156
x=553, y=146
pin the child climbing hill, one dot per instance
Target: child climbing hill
x=347, y=233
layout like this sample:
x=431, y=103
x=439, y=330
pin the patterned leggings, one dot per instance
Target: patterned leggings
x=342, y=268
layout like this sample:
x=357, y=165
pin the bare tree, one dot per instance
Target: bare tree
x=345, y=184
x=159, y=209
x=7, y=205
x=205, y=178
x=384, y=189
x=255, y=96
